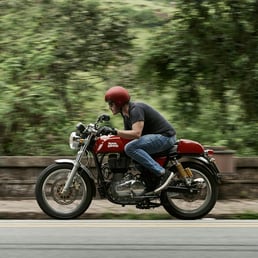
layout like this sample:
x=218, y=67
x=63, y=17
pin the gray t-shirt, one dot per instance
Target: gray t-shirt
x=154, y=122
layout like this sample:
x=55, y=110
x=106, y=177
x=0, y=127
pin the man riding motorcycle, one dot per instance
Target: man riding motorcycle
x=149, y=131
x=179, y=175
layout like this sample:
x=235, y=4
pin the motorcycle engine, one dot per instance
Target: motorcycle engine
x=125, y=179
x=128, y=186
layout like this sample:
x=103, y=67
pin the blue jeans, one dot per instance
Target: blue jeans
x=141, y=149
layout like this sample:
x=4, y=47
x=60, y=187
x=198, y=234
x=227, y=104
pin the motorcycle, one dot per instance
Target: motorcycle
x=65, y=189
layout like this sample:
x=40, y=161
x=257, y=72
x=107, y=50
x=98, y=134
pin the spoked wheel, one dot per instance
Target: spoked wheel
x=192, y=204
x=50, y=196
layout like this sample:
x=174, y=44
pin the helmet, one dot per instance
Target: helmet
x=117, y=95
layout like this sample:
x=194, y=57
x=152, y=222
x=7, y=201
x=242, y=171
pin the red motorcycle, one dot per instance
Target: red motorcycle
x=65, y=189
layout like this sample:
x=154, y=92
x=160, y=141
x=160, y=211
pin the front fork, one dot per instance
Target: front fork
x=72, y=174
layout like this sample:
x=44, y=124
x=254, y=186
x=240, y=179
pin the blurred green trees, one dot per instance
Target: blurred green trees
x=211, y=44
x=48, y=48
x=207, y=54
x=195, y=61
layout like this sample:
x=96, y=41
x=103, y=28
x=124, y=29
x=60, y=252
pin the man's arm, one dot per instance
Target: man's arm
x=135, y=133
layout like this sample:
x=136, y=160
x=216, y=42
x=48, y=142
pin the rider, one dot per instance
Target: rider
x=149, y=131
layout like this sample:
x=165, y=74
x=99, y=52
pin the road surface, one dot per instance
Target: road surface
x=128, y=238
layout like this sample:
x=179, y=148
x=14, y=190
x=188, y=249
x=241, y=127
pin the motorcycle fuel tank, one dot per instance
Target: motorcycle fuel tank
x=109, y=144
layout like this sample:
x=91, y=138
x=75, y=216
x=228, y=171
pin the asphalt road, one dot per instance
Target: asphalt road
x=128, y=238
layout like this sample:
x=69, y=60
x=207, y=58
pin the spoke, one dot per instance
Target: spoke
x=63, y=202
x=192, y=202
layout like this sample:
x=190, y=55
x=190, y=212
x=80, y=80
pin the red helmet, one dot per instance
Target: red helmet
x=117, y=95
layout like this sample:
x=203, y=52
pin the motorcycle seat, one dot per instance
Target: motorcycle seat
x=167, y=152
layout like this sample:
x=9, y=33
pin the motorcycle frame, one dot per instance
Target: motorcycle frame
x=202, y=160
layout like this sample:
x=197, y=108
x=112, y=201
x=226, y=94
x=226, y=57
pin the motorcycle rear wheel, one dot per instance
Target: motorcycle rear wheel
x=60, y=205
x=189, y=206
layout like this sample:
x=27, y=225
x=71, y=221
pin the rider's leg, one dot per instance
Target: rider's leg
x=141, y=149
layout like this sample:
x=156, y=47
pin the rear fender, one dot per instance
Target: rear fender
x=84, y=168
x=211, y=166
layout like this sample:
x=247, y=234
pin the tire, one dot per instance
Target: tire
x=63, y=206
x=190, y=206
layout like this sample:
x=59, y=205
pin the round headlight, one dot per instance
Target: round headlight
x=74, y=141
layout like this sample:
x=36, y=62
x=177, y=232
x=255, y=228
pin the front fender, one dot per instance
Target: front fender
x=69, y=161
x=84, y=168
x=210, y=165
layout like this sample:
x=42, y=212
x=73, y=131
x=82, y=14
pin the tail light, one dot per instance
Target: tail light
x=209, y=152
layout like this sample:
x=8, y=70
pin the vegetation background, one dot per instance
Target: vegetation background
x=195, y=61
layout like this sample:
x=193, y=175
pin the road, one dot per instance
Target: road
x=128, y=238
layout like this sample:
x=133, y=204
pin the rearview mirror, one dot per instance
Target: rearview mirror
x=103, y=118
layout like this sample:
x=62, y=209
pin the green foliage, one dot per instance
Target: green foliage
x=206, y=55
x=50, y=54
x=145, y=18
x=211, y=44
x=195, y=61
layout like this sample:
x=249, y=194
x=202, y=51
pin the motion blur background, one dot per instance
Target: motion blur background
x=195, y=61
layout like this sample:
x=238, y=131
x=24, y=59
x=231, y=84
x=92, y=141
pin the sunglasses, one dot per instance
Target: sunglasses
x=111, y=104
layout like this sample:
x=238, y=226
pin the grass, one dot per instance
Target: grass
x=164, y=216
x=135, y=216
x=246, y=215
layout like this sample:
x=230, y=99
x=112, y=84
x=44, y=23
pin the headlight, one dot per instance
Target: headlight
x=74, y=141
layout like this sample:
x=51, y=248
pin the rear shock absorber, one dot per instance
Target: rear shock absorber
x=184, y=173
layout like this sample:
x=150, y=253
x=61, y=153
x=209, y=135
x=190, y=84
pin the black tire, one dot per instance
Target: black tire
x=176, y=204
x=57, y=205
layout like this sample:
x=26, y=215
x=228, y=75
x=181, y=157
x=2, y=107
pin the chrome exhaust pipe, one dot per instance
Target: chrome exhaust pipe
x=165, y=184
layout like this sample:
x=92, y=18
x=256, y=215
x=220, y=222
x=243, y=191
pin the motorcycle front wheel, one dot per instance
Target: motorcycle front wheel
x=193, y=205
x=56, y=204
